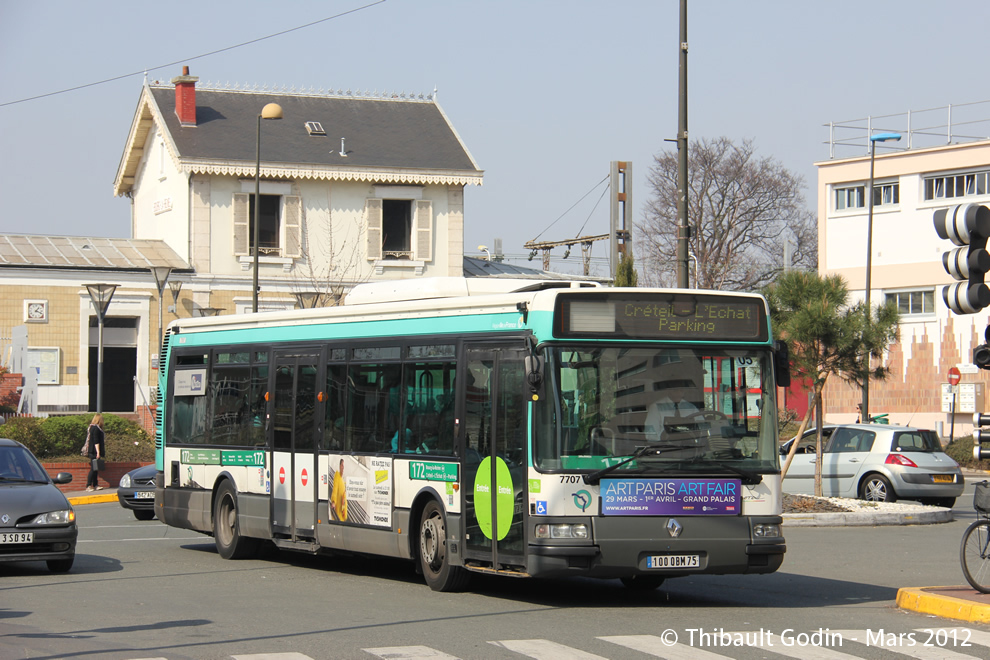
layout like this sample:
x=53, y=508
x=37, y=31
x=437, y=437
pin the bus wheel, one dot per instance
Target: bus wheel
x=642, y=582
x=439, y=574
x=226, y=530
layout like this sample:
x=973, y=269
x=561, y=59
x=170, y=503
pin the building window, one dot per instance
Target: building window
x=913, y=303
x=849, y=198
x=886, y=194
x=279, y=225
x=956, y=185
x=399, y=229
x=396, y=228
x=269, y=225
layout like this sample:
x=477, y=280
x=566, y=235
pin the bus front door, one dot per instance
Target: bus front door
x=294, y=472
x=494, y=482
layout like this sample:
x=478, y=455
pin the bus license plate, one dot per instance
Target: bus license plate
x=673, y=561
x=17, y=537
x=144, y=495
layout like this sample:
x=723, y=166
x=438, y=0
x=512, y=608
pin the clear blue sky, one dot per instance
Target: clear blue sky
x=544, y=93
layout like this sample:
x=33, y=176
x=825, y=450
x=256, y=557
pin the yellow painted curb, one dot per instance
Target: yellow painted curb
x=920, y=600
x=93, y=499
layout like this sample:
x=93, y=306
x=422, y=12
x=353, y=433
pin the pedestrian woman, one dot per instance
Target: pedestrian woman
x=97, y=452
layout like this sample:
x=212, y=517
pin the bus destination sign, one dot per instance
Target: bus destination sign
x=696, y=317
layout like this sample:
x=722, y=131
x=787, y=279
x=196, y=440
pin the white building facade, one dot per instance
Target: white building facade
x=906, y=267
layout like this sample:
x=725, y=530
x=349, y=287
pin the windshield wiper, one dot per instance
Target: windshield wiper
x=594, y=477
x=749, y=477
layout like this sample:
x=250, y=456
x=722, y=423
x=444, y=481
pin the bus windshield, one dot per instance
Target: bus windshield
x=696, y=409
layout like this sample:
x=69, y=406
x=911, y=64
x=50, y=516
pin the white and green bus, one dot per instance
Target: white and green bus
x=514, y=427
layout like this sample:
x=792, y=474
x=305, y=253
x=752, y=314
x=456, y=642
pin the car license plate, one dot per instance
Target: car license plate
x=17, y=537
x=144, y=495
x=943, y=478
x=673, y=561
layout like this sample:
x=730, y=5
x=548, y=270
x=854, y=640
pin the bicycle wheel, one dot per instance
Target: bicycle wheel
x=974, y=555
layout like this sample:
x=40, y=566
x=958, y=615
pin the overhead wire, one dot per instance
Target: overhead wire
x=190, y=59
x=571, y=207
x=600, y=198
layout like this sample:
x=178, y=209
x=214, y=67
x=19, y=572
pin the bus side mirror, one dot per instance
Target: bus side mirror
x=781, y=363
x=534, y=372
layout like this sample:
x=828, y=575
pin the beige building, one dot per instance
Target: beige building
x=910, y=184
x=353, y=187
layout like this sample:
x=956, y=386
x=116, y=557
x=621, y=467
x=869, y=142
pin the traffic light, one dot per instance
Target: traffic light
x=980, y=436
x=968, y=226
x=981, y=354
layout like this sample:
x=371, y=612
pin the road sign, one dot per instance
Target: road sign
x=954, y=376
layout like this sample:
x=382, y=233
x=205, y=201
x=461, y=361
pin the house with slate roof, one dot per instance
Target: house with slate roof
x=354, y=187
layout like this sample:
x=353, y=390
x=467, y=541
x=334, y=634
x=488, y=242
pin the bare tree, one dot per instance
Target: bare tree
x=741, y=210
x=332, y=265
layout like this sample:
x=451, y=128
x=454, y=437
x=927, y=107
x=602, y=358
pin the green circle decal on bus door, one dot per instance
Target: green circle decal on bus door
x=504, y=500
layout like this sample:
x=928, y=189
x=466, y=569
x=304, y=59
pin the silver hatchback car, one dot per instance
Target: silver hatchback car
x=876, y=462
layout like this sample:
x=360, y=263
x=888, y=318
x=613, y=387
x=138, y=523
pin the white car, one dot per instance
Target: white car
x=876, y=462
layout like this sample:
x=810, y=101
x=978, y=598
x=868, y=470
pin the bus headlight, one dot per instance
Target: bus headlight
x=562, y=531
x=765, y=530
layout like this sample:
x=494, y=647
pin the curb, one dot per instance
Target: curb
x=93, y=499
x=869, y=519
x=917, y=599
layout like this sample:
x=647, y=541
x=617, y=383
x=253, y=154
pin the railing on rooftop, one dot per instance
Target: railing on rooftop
x=947, y=124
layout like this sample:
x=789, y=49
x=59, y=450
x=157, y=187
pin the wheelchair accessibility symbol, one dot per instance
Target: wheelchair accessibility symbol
x=541, y=507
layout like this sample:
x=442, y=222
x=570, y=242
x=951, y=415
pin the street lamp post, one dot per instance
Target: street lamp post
x=175, y=286
x=161, y=274
x=100, y=294
x=270, y=111
x=879, y=137
x=210, y=311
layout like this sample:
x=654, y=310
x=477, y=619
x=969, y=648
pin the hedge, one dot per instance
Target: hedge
x=62, y=437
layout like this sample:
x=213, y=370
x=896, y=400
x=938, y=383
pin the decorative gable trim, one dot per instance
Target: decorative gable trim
x=146, y=117
x=245, y=169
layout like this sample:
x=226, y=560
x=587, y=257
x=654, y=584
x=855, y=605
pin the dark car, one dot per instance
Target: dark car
x=37, y=523
x=136, y=492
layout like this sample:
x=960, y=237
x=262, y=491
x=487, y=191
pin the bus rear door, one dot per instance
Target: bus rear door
x=293, y=442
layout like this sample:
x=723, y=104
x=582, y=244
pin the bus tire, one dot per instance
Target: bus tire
x=642, y=582
x=226, y=529
x=439, y=574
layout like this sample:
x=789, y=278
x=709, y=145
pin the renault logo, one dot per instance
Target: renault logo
x=674, y=528
x=5, y=519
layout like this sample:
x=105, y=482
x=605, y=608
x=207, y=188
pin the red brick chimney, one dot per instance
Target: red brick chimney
x=185, y=97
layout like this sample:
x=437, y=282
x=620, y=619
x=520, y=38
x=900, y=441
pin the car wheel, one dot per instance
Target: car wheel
x=642, y=582
x=144, y=514
x=439, y=574
x=226, y=527
x=60, y=565
x=876, y=488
